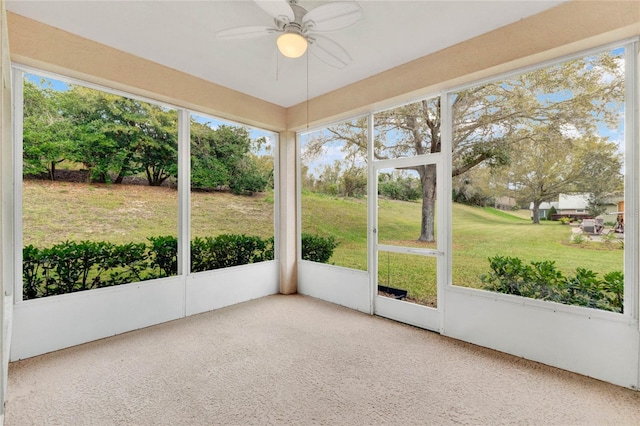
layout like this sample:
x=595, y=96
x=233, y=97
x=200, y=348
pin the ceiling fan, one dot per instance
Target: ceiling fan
x=298, y=28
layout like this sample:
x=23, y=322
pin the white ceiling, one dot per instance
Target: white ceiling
x=181, y=34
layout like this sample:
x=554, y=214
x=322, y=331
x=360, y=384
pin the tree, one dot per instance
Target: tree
x=98, y=143
x=208, y=171
x=398, y=185
x=124, y=122
x=470, y=190
x=221, y=158
x=265, y=165
x=328, y=182
x=157, y=150
x=45, y=132
x=604, y=178
x=353, y=182
x=246, y=176
x=549, y=163
x=115, y=136
x=488, y=121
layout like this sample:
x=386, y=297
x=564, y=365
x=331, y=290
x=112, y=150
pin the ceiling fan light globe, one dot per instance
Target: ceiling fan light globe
x=292, y=45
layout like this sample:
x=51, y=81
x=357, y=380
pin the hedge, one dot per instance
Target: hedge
x=76, y=266
x=541, y=280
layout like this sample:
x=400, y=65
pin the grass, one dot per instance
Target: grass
x=345, y=220
x=58, y=211
x=478, y=233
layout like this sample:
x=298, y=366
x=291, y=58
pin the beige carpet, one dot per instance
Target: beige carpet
x=297, y=360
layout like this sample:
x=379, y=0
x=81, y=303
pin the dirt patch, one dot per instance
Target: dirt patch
x=423, y=302
x=82, y=176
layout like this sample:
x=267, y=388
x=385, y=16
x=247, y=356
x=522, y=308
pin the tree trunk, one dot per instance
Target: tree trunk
x=536, y=212
x=149, y=176
x=52, y=171
x=428, y=180
x=121, y=175
x=154, y=177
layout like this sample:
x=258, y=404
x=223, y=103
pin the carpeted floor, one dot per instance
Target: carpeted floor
x=298, y=360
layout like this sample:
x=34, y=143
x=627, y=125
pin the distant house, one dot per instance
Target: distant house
x=574, y=206
x=544, y=208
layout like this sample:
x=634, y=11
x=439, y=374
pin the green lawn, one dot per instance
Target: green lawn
x=478, y=233
x=59, y=211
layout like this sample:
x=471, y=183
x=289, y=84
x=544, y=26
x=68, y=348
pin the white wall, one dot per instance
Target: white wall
x=57, y=322
x=603, y=345
x=211, y=290
x=342, y=286
x=408, y=313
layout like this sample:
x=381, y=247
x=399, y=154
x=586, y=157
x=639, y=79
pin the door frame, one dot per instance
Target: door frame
x=421, y=316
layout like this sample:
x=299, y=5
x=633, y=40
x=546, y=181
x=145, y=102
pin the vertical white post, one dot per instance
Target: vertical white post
x=184, y=198
x=631, y=304
x=275, y=152
x=7, y=246
x=372, y=215
x=445, y=224
x=12, y=195
x=632, y=202
x=287, y=235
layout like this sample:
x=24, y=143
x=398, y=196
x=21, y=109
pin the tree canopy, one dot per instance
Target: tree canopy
x=46, y=135
x=114, y=137
x=535, y=116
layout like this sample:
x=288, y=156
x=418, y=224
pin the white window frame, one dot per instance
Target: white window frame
x=632, y=197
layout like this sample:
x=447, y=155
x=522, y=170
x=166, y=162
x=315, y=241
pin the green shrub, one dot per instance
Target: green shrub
x=228, y=250
x=541, y=280
x=164, y=255
x=579, y=239
x=234, y=250
x=318, y=249
x=128, y=263
x=75, y=266
x=31, y=267
x=399, y=188
x=613, y=285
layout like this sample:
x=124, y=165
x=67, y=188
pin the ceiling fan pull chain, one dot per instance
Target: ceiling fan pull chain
x=307, y=91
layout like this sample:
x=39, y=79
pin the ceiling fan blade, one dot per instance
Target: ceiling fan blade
x=333, y=16
x=328, y=51
x=278, y=9
x=245, y=32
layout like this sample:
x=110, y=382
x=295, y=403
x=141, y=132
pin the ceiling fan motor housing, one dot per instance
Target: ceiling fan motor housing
x=299, y=28
x=295, y=26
